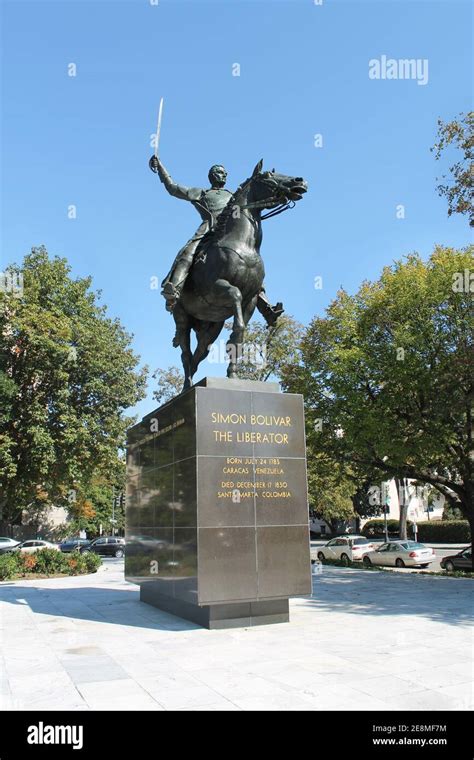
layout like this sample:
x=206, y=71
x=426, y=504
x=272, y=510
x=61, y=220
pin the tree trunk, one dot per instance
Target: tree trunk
x=334, y=525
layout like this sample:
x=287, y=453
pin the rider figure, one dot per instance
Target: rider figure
x=209, y=204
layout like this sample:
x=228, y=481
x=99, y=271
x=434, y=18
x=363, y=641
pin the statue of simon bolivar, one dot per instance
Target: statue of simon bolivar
x=209, y=203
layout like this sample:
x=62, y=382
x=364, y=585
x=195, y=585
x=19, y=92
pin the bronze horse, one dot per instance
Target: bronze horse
x=227, y=273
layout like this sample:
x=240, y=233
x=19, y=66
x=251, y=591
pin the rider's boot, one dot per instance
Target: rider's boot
x=171, y=293
x=173, y=286
x=269, y=313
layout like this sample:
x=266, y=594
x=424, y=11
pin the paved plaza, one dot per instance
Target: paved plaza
x=363, y=640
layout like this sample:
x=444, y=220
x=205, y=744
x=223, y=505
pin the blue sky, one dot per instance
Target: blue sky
x=85, y=140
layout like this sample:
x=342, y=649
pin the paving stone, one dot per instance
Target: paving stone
x=365, y=641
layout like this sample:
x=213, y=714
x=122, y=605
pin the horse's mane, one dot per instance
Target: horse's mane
x=224, y=215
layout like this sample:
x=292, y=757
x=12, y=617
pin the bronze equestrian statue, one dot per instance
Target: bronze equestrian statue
x=219, y=272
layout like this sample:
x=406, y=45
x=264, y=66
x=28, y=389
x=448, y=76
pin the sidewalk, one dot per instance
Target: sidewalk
x=366, y=641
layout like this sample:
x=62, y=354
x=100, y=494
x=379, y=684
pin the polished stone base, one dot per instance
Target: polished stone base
x=213, y=616
x=217, y=509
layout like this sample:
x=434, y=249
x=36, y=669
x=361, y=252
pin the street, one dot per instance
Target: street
x=440, y=551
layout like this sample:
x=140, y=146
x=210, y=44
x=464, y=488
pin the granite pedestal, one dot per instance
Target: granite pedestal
x=217, y=514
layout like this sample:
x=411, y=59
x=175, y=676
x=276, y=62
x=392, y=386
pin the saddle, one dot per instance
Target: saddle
x=204, y=244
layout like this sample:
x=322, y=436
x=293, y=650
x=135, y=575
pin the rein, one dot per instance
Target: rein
x=222, y=220
x=265, y=202
x=278, y=210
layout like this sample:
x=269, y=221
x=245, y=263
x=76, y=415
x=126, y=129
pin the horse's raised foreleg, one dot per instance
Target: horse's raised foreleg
x=183, y=340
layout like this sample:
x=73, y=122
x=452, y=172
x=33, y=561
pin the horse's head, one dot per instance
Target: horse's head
x=276, y=188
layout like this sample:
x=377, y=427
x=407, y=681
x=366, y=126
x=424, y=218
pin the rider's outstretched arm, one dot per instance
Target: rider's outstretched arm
x=179, y=191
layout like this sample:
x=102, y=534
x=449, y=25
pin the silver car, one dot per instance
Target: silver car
x=401, y=554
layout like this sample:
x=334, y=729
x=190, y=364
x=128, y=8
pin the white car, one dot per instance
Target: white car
x=34, y=546
x=401, y=554
x=6, y=544
x=345, y=548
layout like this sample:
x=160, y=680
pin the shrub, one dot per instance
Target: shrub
x=451, y=513
x=47, y=562
x=9, y=565
x=29, y=562
x=435, y=531
x=74, y=563
x=50, y=561
x=449, y=531
x=90, y=562
x=377, y=528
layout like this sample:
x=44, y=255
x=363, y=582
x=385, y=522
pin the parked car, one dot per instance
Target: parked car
x=73, y=544
x=146, y=543
x=35, y=545
x=460, y=561
x=401, y=554
x=345, y=548
x=7, y=544
x=106, y=546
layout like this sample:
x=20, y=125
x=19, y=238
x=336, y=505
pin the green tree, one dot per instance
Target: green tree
x=91, y=508
x=169, y=383
x=8, y=390
x=266, y=351
x=456, y=138
x=69, y=374
x=391, y=368
x=366, y=501
x=330, y=491
x=338, y=489
x=451, y=512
